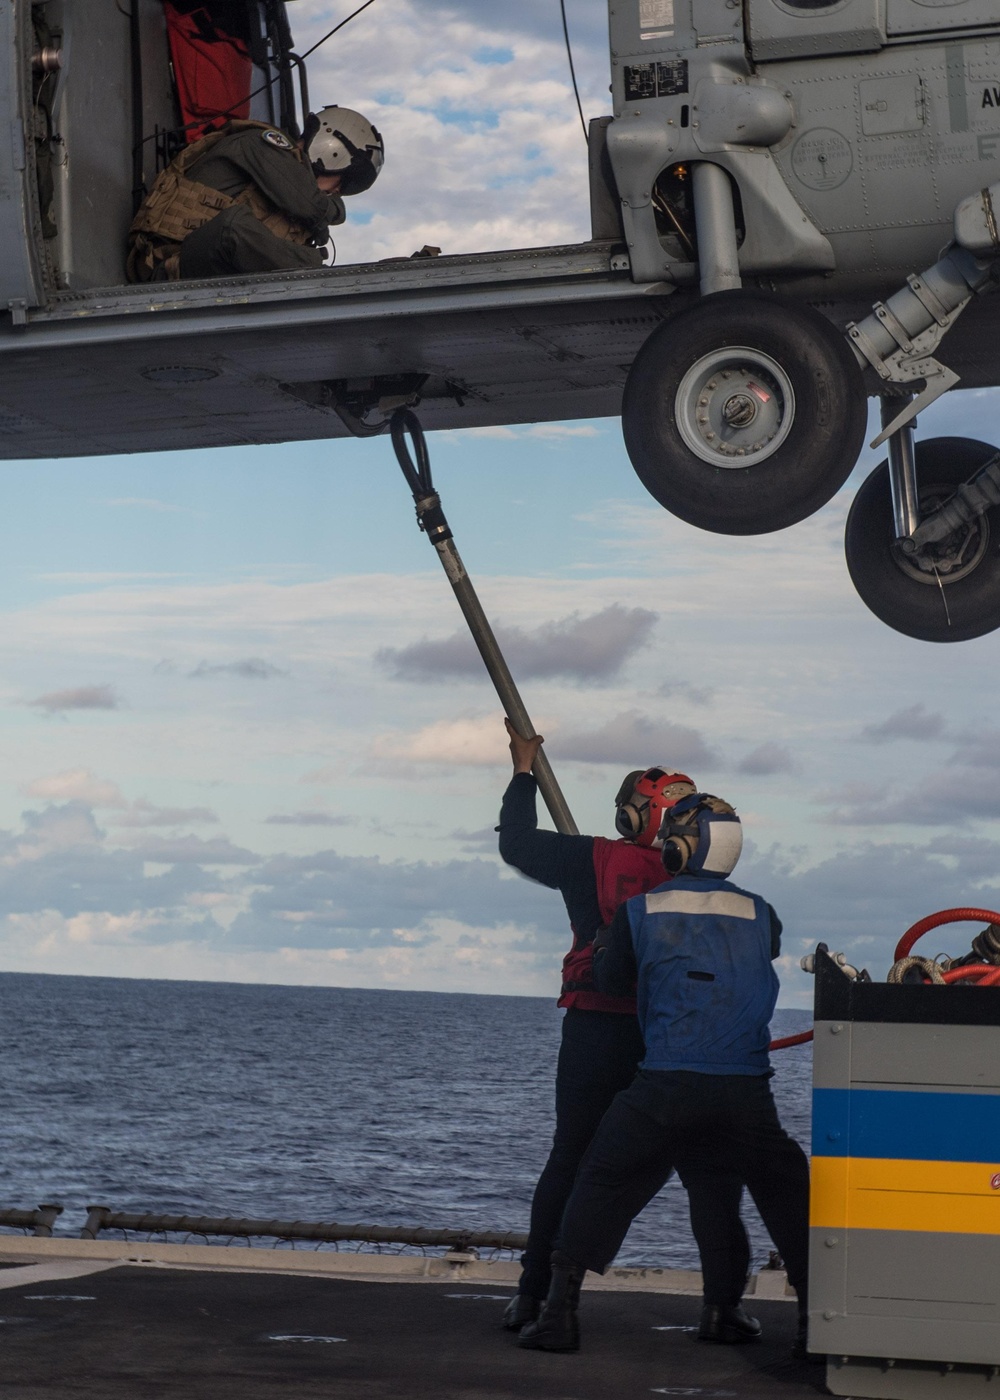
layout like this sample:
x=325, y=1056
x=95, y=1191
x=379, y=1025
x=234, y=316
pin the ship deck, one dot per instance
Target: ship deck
x=143, y=1327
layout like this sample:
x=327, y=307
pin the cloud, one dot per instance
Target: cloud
x=83, y=697
x=549, y=432
x=470, y=742
x=142, y=814
x=61, y=862
x=941, y=798
x=330, y=900
x=252, y=669
x=915, y=722
x=766, y=759
x=633, y=740
x=592, y=648
x=499, y=143
x=192, y=850
x=485, y=839
x=308, y=819
x=80, y=785
x=76, y=785
x=684, y=690
x=979, y=747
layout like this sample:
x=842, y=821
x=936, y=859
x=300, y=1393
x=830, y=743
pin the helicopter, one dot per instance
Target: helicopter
x=795, y=208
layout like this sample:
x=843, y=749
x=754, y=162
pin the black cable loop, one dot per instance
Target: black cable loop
x=418, y=474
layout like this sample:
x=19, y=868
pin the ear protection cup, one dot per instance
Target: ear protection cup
x=676, y=853
x=642, y=800
x=701, y=834
x=628, y=821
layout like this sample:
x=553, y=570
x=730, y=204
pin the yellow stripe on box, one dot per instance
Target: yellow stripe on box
x=875, y=1193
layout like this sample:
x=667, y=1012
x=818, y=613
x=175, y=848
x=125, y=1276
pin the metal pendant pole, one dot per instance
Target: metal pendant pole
x=431, y=519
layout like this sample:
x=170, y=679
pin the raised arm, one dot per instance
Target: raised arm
x=546, y=856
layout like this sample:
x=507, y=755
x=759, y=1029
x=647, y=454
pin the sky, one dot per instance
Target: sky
x=246, y=737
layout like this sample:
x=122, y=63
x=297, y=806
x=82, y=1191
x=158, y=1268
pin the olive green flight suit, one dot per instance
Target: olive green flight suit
x=242, y=199
x=236, y=241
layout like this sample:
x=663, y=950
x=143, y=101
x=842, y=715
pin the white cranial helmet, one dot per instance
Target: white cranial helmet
x=339, y=141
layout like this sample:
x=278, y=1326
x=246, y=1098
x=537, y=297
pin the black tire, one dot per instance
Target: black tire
x=824, y=427
x=967, y=605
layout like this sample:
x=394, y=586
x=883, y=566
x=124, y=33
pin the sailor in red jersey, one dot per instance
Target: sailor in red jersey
x=601, y=1042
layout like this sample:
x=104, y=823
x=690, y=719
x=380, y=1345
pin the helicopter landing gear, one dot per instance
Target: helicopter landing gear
x=947, y=590
x=744, y=414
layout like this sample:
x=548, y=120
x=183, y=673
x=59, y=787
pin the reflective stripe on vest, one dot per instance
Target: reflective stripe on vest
x=707, y=988
x=726, y=902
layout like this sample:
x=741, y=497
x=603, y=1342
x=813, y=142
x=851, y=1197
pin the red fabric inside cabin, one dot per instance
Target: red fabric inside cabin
x=212, y=69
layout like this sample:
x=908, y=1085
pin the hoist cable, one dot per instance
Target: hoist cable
x=572, y=70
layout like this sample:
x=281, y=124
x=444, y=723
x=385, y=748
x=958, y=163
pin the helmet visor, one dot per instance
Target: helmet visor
x=362, y=172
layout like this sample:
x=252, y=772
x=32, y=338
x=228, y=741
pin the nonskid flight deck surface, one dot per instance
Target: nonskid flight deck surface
x=135, y=1333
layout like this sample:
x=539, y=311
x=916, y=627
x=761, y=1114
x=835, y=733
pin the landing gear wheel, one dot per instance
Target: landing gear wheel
x=744, y=414
x=956, y=596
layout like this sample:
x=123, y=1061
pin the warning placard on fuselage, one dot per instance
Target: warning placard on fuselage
x=644, y=80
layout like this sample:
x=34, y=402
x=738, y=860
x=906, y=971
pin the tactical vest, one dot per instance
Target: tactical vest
x=706, y=985
x=621, y=870
x=177, y=205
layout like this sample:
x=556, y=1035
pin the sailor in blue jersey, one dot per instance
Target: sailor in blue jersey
x=701, y=950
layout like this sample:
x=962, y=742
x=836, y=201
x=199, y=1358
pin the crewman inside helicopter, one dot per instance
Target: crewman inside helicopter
x=247, y=198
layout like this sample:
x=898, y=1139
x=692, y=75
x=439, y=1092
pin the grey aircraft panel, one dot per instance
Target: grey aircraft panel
x=524, y=336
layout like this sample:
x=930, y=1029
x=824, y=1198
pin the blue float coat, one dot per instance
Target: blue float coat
x=701, y=951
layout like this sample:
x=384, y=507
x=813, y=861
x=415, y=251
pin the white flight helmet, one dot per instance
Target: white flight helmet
x=339, y=141
x=701, y=835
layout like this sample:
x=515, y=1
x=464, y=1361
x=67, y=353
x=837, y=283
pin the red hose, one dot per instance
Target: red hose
x=987, y=972
x=799, y=1039
x=963, y=974
x=946, y=916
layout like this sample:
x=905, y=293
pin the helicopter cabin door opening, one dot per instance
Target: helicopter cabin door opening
x=108, y=94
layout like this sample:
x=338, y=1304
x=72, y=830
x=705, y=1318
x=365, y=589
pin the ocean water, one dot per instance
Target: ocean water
x=309, y=1103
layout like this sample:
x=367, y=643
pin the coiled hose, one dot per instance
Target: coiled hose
x=985, y=947
x=984, y=973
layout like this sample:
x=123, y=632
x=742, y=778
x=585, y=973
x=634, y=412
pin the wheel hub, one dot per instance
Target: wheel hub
x=951, y=559
x=734, y=407
x=739, y=411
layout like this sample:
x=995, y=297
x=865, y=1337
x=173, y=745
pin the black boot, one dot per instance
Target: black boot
x=522, y=1308
x=557, y=1328
x=800, y=1347
x=727, y=1324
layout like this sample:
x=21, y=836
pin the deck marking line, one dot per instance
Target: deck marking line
x=691, y=1390
x=484, y=1297
x=296, y=1337
x=59, y=1298
x=54, y=1269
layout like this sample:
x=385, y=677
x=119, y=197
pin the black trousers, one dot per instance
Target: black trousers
x=697, y=1123
x=234, y=241
x=598, y=1057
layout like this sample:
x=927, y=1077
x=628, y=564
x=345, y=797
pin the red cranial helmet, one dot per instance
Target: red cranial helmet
x=643, y=798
